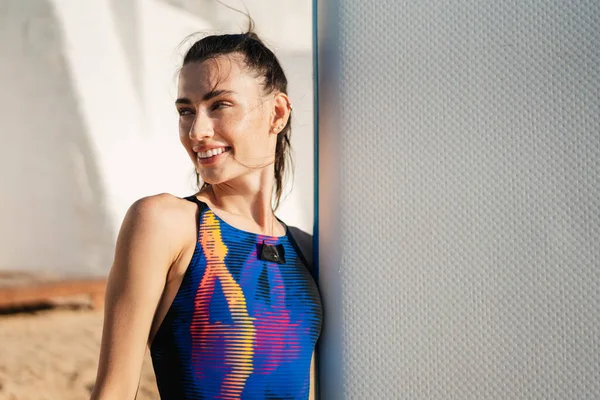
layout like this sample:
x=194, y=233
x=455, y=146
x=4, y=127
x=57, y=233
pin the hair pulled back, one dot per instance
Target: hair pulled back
x=261, y=61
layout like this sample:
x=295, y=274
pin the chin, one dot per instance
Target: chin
x=211, y=179
x=217, y=178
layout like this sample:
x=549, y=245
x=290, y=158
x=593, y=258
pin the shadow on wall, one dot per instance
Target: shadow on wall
x=52, y=210
x=298, y=68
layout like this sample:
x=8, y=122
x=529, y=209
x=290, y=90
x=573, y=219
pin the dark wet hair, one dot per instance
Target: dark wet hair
x=264, y=64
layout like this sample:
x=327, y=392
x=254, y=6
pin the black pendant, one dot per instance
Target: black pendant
x=272, y=253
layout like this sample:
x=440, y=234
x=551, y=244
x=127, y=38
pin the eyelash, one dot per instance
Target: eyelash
x=219, y=105
x=184, y=111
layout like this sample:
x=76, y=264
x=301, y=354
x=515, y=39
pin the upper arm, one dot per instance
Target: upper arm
x=313, y=395
x=144, y=252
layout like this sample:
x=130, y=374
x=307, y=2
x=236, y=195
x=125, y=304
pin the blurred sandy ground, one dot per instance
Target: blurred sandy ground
x=52, y=354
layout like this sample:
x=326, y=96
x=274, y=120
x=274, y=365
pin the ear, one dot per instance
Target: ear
x=281, y=112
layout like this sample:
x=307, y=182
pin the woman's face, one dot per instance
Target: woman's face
x=226, y=121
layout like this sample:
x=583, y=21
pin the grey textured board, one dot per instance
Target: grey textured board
x=459, y=184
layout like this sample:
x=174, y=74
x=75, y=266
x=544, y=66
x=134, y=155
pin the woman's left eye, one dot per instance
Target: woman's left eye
x=220, y=105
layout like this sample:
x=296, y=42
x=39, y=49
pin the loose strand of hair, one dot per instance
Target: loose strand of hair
x=251, y=24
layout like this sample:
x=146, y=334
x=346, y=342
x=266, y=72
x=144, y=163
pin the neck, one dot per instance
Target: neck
x=249, y=196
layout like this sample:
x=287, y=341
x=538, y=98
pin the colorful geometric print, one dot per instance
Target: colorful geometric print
x=239, y=327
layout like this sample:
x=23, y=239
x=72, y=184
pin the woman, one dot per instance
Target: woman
x=213, y=283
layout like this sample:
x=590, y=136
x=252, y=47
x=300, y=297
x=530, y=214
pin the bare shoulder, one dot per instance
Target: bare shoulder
x=160, y=208
x=164, y=217
x=150, y=241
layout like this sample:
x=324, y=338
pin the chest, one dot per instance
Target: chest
x=235, y=286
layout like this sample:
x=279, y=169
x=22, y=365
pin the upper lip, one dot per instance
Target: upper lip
x=205, y=148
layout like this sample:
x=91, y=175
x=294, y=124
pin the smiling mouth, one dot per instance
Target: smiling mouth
x=212, y=152
x=212, y=155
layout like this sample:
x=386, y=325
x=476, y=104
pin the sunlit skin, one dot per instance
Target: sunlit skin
x=222, y=104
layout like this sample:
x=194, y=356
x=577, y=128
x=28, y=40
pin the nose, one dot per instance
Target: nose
x=202, y=127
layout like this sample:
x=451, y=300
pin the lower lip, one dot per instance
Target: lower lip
x=212, y=160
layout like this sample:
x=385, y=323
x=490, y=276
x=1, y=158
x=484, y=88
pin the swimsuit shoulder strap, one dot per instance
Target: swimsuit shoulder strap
x=303, y=242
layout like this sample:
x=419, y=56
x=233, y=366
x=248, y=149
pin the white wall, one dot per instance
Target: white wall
x=89, y=125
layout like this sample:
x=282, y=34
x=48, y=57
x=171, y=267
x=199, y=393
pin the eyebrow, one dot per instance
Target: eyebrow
x=206, y=97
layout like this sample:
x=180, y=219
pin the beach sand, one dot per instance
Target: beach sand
x=52, y=354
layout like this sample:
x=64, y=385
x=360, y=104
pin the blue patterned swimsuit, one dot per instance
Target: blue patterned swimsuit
x=239, y=327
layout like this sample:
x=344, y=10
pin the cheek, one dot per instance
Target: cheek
x=184, y=127
x=184, y=132
x=235, y=132
x=254, y=129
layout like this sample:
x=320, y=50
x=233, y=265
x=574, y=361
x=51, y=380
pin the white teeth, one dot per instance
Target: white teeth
x=211, y=152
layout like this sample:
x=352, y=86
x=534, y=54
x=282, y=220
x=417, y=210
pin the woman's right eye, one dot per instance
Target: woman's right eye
x=184, y=111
